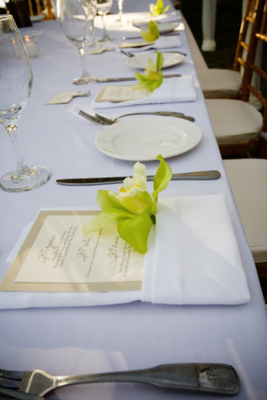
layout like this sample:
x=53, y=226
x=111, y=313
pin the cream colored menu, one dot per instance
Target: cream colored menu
x=116, y=94
x=57, y=256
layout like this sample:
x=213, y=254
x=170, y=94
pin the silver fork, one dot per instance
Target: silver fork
x=111, y=121
x=100, y=119
x=217, y=378
x=127, y=53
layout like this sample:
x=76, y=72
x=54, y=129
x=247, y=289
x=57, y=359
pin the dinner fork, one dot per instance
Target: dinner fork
x=99, y=120
x=128, y=54
x=217, y=378
x=111, y=121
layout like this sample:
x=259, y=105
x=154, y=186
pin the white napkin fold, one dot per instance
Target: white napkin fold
x=193, y=258
x=162, y=43
x=171, y=16
x=172, y=90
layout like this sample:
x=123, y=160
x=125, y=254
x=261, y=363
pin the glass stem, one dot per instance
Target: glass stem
x=105, y=33
x=120, y=9
x=22, y=168
x=84, y=67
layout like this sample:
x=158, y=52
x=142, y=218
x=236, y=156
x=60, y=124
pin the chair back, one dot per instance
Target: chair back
x=247, y=83
x=250, y=25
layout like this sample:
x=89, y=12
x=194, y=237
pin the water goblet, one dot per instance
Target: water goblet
x=76, y=21
x=103, y=7
x=16, y=84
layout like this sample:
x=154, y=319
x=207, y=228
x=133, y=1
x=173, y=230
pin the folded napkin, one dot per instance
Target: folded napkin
x=171, y=16
x=172, y=90
x=162, y=43
x=193, y=258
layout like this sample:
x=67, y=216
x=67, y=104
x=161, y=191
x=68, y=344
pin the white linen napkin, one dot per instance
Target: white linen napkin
x=162, y=43
x=171, y=16
x=193, y=258
x=172, y=90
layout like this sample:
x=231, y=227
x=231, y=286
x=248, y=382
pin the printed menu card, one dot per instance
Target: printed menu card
x=57, y=257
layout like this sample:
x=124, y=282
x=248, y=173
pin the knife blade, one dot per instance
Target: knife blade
x=132, y=78
x=161, y=34
x=201, y=175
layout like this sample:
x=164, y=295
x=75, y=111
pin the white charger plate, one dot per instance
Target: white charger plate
x=144, y=138
x=170, y=59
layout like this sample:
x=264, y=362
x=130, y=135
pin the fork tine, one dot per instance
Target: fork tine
x=10, y=374
x=10, y=384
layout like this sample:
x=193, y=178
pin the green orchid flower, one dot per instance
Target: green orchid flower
x=132, y=207
x=158, y=8
x=152, y=33
x=153, y=76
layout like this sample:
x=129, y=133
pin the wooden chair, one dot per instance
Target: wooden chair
x=237, y=124
x=223, y=83
x=248, y=178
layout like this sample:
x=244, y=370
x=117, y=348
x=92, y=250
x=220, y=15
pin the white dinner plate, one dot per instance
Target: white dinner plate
x=144, y=138
x=170, y=59
x=164, y=27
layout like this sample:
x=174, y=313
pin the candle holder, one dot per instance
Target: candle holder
x=30, y=40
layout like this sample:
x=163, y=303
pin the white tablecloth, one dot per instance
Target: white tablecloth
x=121, y=337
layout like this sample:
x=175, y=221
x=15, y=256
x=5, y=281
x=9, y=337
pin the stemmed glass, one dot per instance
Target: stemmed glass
x=76, y=20
x=16, y=84
x=103, y=7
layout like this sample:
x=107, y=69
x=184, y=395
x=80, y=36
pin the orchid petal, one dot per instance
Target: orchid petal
x=106, y=199
x=135, y=231
x=160, y=60
x=104, y=218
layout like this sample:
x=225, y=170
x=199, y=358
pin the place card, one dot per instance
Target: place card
x=57, y=257
x=63, y=97
x=118, y=94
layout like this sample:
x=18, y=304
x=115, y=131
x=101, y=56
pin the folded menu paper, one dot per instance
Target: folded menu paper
x=193, y=258
x=162, y=43
x=172, y=90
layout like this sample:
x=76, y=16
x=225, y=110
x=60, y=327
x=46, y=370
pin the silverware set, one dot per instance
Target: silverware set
x=100, y=119
x=213, y=378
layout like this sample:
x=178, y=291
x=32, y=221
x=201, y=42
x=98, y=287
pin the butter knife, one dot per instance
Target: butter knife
x=201, y=175
x=132, y=78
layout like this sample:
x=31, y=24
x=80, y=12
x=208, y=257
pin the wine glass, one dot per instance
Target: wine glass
x=76, y=21
x=103, y=7
x=16, y=84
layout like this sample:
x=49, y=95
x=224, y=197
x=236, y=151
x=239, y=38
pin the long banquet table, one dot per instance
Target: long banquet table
x=78, y=340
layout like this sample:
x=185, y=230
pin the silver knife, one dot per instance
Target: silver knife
x=201, y=175
x=132, y=78
x=161, y=34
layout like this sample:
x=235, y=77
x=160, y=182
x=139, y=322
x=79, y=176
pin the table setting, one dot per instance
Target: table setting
x=129, y=258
